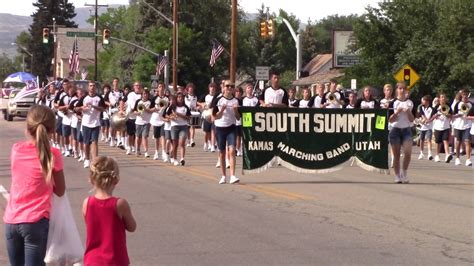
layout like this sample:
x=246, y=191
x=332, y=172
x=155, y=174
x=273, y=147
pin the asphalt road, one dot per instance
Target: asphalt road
x=279, y=217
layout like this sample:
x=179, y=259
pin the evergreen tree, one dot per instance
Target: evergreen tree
x=63, y=13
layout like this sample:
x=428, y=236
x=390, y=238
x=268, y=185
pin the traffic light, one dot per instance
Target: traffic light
x=406, y=76
x=270, y=28
x=106, y=36
x=45, y=35
x=263, y=29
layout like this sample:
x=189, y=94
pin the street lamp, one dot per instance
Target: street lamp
x=23, y=55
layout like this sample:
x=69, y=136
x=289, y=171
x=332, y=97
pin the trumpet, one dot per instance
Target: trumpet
x=141, y=108
x=464, y=108
x=444, y=110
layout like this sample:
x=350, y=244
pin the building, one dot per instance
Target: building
x=65, y=42
x=320, y=71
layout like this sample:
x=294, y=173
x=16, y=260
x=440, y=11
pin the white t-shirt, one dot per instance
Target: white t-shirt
x=157, y=116
x=402, y=120
x=65, y=100
x=144, y=118
x=132, y=99
x=385, y=103
x=74, y=119
x=228, y=117
x=316, y=101
x=441, y=122
x=250, y=101
x=272, y=96
x=461, y=122
x=91, y=118
x=428, y=112
x=179, y=121
x=303, y=103
x=190, y=101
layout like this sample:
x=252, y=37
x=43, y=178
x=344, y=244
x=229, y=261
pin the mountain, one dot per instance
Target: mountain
x=12, y=25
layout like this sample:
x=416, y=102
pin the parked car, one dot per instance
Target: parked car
x=19, y=108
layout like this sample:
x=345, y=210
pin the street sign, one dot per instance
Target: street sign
x=408, y=75
x=262, y=72
x=154, y=77
x=80, y=34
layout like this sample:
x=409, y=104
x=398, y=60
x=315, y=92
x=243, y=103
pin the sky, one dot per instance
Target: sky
x=302, y=9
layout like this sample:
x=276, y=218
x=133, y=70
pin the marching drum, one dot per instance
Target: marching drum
x=195, y=119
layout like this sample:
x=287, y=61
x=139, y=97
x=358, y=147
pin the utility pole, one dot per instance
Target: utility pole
x=96, y=26
x=233, y=42
x=55, y=45
x=175, y=50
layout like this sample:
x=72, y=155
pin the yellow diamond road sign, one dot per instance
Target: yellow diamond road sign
x=408, y=75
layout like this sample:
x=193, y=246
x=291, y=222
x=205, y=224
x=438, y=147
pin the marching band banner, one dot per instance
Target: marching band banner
x=311, y=140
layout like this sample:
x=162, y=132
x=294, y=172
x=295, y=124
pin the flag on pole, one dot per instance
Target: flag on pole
x=161, y=64
x=217, y=50
x=74, y=59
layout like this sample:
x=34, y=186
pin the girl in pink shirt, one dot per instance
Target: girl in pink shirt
x=107, y=217
x=37, y=172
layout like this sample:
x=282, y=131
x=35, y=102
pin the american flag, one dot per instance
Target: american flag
x=74, y=59
x=217, y=50
x=161, y=64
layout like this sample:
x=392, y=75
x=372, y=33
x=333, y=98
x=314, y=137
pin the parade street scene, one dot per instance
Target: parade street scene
x=236, y=132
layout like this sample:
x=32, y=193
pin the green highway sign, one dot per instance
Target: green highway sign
x=80, y=34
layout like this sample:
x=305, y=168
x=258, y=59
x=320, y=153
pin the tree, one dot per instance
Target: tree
x=434, y=37
x=63, y=12
x=7, y=66
x=317, y=36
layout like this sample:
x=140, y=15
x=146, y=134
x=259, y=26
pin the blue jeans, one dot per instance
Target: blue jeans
x=26, y=242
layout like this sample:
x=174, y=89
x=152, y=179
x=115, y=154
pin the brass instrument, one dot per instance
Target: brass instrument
x=118, y=121
x=332, y=98
x=444, y=110
x=162, y=104
x=464, y=108
x=141, y=108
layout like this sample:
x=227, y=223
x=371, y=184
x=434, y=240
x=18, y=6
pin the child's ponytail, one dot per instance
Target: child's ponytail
x=40, y=122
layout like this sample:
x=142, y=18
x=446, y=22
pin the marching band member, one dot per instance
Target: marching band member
x=191, y=101
x=384, y=104
x=112, y=101
x=333, y=98
x=41, y=97
x=292, y=101
x=59, y=115
x=159, y=103
x=441, y=126
x=63, y=107
x=352, y=100
x=462, y=127
x=74, y=122
x=168, y=148
x=249, y=99
x=132, y=98
x=105, y=116
x=91, y=106
x=80, y=137
x=142, y=122
x=239, y=92
x=304, y=102
x=316, y=100
x=401, y=119
x=207, y=124
x=367, y=101
x=424, y=113
x=179, y=113
x=225, y=114
x=274, y=96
